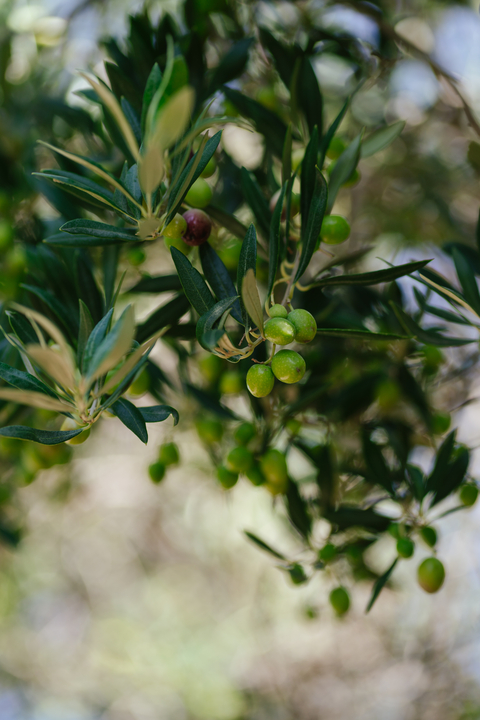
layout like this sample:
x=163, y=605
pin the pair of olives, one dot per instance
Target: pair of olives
x=287, y=366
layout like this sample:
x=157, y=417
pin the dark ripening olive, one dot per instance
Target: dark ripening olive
x=199, y=227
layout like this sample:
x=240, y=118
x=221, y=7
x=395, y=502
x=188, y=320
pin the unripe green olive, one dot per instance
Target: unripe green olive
x=200, y=194
x=431, y=575
x=278, y=311
x=260, y=380
x=340, y=600
x=136, y=256
x=244, y=433
x=288, y=366
x=279, y=331
x=179, y=244
x=336, y=148
x=335, y=229
x=231, y=383
x=305, y=325
x=168, y=454
x=441, y=423
x=176, y=227
x=157, y=472
x=297, y=574
x=267, y=97
x=239, y=460
x=70, y=424
x=140, y=385
x=227, y=478
x=327, y=553
x=210, y=431
x=211, y=367
x=255, y=475
x=429, y=536
x=210, y=168
x=405, y=547
x=468, y=495
x=274, y=468
x=230, y=254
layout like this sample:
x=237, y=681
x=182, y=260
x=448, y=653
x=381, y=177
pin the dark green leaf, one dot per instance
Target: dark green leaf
x=309, y=97
x=359, y=334
x=456, y=475
x=287, y=156
x=95, y=339
x=327, y=138
x=227, y=221
x=425, y=336
x=467, y=279
x=207, y=321
x=82, y=187
x=98, y=230
x=180, y=188
x=380, y=584
x=22, y=328
x=247, y=261
x=65, y=240
x=347, y=516
x=378, y=471
x=372, y=278
x=131, y=417
x=158, y=284
x=441, y=468
x=308, y=176
x=210, y=403
x=193, y=284
x=168, y=314
x=416, y=481
x=158, y=413
x=381, y=138
x=218, y=278
x=267, y=122
x=231, y=66
x=153, y=83
x=275, y=241
x=56, y=307
x=44, y=437
x=23, y=380
x=297, y=509
x=85, y=330
x=263, y=545
x=314, y=223
x=256, y=200
x=343, y=168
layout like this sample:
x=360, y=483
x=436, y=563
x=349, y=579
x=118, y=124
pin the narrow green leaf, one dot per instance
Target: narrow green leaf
x=287, y=156
x=381, y=138
x=267, y=122
x=275, y=241
x=297, y=509
x=380, y=584
x=359, y=334
x=467, y=280
x=425, y=336
x=95, y=339
x=131, y=417
x=98, y=230
x=309, y=96
x=193, y=284
x=344, y=167
x=210, y=403
x=227, y=221
x=44, y=437
x=347, y=516
x=159, y=413
x=263, y=545
x=372, y=278
x=327, y=138
x=219, y=278
x=378, y=471
x=247, y=261
x=116, y=344
x=24, y=381
x=255, y=198
x=231, y=65
x=158, y=284
x=153, y=83
x=316, y=214
x=168, y=314
x=207, y=321
x=251, y=299
x=308, y=175
x=63, y=239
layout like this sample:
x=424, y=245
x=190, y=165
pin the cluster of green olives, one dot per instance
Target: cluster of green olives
x=268, y=468
x=168, y=455
x=288, y=366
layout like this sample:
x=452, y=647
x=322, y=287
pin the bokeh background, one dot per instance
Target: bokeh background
x=130, y=601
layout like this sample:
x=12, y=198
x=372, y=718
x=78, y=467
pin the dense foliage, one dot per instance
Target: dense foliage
x=285, y=344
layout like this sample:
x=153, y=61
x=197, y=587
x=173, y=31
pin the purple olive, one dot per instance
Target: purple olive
x=199, y=227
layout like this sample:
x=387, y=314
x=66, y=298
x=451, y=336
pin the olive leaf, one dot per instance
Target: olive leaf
x=251, y=299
